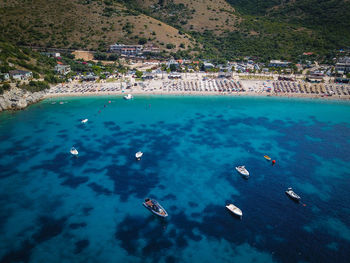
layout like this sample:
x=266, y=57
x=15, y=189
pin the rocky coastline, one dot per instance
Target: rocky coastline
x=18, y=99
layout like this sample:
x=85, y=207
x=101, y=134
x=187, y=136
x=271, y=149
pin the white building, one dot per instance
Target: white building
x=279, y=63
x=343, y=65
x=62, y=69
x=20, y=74
x=208, y=66
x=127, y=50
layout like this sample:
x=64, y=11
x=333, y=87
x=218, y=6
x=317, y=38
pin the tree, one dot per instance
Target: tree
x=36, y=75
x=6, y=86
x=170, y=46
x=173, y=67
x=142, y=41
x=113, y=57
x=100, y=56
x=138, y=73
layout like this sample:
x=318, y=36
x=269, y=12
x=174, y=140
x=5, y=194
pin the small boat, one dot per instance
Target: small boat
x=84, y=121
x=138, y=155
x=74, y=151
x=267, y=157
x=155, y=207
x=292, y=194
x=242, y=170
x=235, y=210
x=128, y=97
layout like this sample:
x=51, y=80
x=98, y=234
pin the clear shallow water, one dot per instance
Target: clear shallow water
x=57, y=208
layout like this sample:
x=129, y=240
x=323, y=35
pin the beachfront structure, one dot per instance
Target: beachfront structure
x=89, y=77
x=148, y=76
x=207, y=66
x=62, y=69
x=315, y=78
x=20, y=74
x=343, y=65
x=174, y=76
x=226, y=75
x=279, y=64
x=172, y=62
x=126, y=50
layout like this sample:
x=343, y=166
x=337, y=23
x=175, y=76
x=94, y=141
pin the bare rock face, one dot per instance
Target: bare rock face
x=17, y=99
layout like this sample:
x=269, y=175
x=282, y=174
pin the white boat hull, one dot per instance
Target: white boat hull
x=138, y=155
x=244, y=172
x=293, y=195
x=234, y=210
x=74, y=152
x=128, y=97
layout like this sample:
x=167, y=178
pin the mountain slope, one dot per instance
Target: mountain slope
x=83, y=24
x=267, y=29
x=191, y=15
x=329, y=19
x=12, y=57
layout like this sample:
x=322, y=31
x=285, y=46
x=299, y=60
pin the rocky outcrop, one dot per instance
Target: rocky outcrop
x=17, y=99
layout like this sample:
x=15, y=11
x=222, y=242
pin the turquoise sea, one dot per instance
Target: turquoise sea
x=58, y=208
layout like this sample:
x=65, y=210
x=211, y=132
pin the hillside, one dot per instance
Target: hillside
x=13, y=57
x=191, y=15
x=216, y=30
x=84, y=24
x=282, y=29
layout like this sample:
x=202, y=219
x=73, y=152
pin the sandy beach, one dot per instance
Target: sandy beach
x=205, y=87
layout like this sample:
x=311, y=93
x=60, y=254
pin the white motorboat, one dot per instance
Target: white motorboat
x=242, y=170
x=74, y=151
x=292, y=194
x=235, y=210
x=128, y=97
x=138, y=155
x=84, y=121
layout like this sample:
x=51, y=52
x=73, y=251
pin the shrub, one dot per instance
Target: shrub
x=35, y=86
x=138, y=73
x=4, y=87
x=170, y=46
x=142, y=41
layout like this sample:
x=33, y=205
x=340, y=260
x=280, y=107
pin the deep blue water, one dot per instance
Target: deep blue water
x=58, y=208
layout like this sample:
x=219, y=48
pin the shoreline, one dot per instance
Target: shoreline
x=16, y=99
x=190, y=86
x=183, y=94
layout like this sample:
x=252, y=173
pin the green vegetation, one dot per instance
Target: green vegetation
x=294, y=27
x=267, y=29
x=35, y=86
x=105, y=56
x=170, y=46
x=4, y=87
x=138, y=74
x=142, y=40
x=12, y=57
